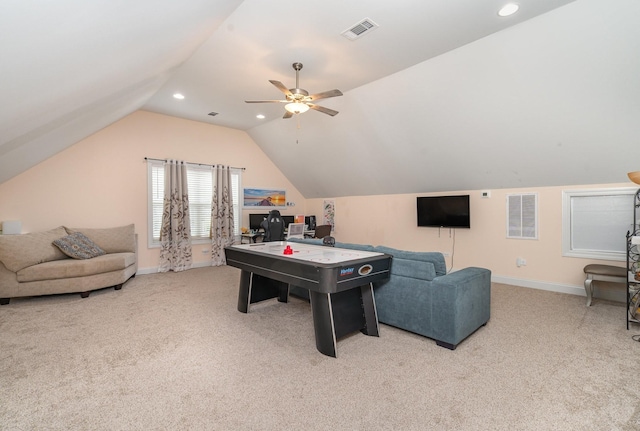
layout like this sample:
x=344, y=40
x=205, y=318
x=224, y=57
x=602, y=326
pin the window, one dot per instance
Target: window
x=522, y=216
x=200, y=184
x=595, y=223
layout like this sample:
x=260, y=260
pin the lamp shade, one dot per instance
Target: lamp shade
x=634, y=176
x=296, y=107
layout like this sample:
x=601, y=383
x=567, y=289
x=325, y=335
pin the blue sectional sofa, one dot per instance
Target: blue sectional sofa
x=421, y=297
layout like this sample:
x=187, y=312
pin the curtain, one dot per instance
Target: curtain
x=175, y=233
x=221, y=215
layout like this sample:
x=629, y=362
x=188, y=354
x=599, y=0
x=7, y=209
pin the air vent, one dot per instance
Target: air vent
x=363, y=27
x=213, y=114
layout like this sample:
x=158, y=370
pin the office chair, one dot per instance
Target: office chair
x=322, y=231
x=273, y=227
x=329, y=241
x=295, y=230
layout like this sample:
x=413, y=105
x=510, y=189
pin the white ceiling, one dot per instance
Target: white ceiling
x=441, y=96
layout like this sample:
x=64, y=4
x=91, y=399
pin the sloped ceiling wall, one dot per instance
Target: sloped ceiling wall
x=62, y=79
x=552, y=101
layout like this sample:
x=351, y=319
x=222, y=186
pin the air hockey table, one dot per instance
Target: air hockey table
x=339, y=283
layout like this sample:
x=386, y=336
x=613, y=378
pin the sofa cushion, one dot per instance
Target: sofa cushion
x=111, y=240
x=69, y=268
x=78, y=246
x=21, y=251
x=436, y=258
x=349, y=246
x=413, y=269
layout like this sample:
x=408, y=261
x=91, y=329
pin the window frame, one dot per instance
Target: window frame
x=567, y=222
x=236, y=196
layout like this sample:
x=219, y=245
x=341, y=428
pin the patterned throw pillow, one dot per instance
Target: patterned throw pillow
x=78, y=246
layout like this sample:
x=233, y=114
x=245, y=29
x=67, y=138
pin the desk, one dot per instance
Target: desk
x=338, y=280
x=252, y=237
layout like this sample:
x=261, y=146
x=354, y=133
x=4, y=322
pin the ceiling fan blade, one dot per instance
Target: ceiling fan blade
x=322, y=109
x=266, y=101
x=326, y=94
x=281, y=87
x=287, y=114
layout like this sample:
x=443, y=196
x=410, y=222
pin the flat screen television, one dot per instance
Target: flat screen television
x=444, y=211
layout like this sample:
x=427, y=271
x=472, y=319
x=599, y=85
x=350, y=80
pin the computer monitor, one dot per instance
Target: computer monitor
x=288, y=219
x=310, y=221
x=255, y=220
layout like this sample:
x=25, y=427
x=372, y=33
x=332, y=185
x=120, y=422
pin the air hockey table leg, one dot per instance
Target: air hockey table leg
x=255, y=288
x=323, y=325
x=369, y=310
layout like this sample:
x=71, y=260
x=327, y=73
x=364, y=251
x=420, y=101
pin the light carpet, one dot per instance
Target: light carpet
x=171, y=352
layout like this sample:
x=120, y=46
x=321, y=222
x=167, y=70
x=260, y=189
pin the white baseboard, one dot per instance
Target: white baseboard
x=541, y=285
x=608, y=294
x=154, y=269
x=603, y=293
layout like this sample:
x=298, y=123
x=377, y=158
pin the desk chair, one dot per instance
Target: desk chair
x=273, y=227
x=322, y=231
x=329, y=241
x=295, y=230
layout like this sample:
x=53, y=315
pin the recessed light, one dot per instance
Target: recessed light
x=178, y=96
x=508, y=9
x=260, y=116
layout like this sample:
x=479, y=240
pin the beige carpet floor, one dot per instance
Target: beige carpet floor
x=170, y=352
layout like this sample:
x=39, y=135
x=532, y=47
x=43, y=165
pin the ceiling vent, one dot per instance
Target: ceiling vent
x=363, y=27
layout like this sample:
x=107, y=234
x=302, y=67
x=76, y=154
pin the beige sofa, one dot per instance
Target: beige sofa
x=31, y=265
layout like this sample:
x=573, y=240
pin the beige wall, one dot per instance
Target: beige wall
x=102, y=180
x=391, y=220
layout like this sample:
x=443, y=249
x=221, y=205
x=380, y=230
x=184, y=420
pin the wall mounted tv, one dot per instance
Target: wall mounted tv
x=443, y=211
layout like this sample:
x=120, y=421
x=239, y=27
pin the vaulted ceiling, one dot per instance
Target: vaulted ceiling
x=439, y=96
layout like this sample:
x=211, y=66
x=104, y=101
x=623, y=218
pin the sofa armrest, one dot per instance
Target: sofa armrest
x=8, y=282
x=461, y=304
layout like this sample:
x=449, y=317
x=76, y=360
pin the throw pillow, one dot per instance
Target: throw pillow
x=120, y=239
x=78, y=246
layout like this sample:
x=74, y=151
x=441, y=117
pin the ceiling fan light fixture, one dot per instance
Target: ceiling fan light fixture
x=296, y=107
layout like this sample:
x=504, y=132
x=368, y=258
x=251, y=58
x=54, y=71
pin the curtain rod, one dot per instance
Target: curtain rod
x=191, y=163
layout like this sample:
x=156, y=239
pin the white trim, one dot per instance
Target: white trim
x=608, y=294
x=604, y=293
x=540, y=285
x=154, y=269
x=567, y=247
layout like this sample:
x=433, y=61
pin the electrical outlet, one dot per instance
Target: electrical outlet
x=205, y=251
x=521, y=262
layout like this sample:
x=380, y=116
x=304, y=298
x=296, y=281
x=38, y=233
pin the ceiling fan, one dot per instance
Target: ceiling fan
x=298, y=100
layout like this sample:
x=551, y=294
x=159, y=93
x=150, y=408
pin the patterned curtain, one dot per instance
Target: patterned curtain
x=221, y=215
x=175, y=233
